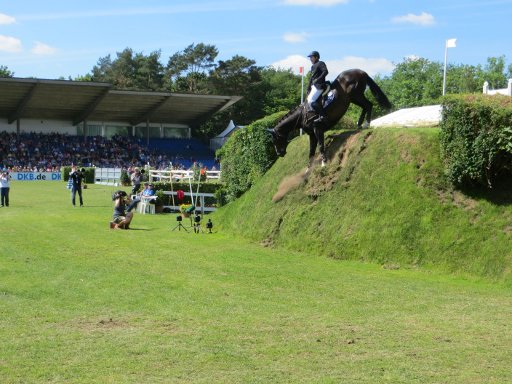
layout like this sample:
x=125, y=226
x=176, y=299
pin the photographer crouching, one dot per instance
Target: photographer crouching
x=120, y=219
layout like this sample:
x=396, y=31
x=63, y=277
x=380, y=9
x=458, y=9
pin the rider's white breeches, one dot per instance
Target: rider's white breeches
x=314, y=94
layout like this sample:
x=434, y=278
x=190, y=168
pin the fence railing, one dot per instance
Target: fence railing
x=179, y=175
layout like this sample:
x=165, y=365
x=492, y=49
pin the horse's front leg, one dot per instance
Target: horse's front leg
x=312, y=149
x=319, y=134
x=361, y=118
x=368, y=115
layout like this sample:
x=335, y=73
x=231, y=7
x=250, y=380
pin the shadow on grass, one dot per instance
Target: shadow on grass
x=500, y=194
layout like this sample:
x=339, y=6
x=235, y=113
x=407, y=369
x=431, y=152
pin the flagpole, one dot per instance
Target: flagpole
x=301, y=69
x=450, y=43
x=444, y=72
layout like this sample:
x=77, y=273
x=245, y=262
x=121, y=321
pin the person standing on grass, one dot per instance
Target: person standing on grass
x=136, y=179
x=76, y=178
x=5, y=187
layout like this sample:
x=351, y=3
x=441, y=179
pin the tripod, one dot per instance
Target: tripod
x=179, y=225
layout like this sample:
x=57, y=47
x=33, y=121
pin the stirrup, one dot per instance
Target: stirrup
x=320, y=119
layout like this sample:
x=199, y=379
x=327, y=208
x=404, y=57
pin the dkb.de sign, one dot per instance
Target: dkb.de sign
x=36, y=176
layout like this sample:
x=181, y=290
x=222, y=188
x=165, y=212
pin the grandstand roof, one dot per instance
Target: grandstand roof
x=78, y=101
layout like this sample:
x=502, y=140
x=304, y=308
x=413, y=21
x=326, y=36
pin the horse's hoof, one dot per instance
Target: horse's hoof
x=323, y=164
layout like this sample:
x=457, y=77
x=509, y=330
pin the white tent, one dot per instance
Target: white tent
x=219, y=140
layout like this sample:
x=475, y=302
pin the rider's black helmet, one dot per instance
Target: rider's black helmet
x=314, y=53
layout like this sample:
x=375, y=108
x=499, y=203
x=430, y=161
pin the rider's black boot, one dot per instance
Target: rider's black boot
x=318, y=107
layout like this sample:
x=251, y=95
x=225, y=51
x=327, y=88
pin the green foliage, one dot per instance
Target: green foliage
x=281, y=90
x=125, y=177
x=247, y=155
x=130, y=71
x=5, y=72
x=414, y=82
x=476, y=138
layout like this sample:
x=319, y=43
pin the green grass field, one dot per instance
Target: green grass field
x=81, y=303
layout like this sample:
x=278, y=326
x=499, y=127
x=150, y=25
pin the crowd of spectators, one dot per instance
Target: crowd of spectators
x=48, y=152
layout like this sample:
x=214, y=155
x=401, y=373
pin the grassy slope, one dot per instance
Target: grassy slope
x=382, y=199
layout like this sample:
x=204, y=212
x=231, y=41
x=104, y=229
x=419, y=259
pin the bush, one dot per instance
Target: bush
x=476, y=138
x=247, y=155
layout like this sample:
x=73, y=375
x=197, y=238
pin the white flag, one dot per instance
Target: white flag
x=451, y=43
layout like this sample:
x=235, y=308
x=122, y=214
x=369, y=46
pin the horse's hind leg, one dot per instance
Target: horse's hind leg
x=367, y=107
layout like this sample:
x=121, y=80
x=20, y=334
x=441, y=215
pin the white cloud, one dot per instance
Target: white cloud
x=422, y=19
x=6, y=19
x=295, y=37
x=43, y=49
x=318, y=3
x=293, y=62
x=370, y=65
x=10, y=44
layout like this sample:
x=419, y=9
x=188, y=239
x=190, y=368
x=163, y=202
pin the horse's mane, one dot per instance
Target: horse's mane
x=288, y=114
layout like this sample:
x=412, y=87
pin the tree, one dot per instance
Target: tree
x=464, y=79
x=238, y=76
x=131, y=71
x=494, y=72
x=149, y=72
x=414, y=82
x=281, y=90
x=5, y=72
x=188, y=70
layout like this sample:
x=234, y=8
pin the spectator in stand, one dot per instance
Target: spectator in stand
x=76, y=177
x=5, y=187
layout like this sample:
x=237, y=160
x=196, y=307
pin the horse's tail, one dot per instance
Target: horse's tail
x=382, y=99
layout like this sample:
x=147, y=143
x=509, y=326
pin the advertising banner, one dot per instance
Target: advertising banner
x=36, y=176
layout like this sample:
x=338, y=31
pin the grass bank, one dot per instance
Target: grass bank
x=383, y=198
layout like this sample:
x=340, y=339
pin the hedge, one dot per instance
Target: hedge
x=247, y=155
x=476, y=138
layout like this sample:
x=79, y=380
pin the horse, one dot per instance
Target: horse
x=348, y=87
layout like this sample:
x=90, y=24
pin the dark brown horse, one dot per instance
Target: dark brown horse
x=349, y=87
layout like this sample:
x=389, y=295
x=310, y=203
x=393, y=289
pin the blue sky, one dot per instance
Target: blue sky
x=53, y=38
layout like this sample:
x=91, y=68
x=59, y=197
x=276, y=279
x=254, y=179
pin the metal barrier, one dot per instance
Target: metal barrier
x=107, y=176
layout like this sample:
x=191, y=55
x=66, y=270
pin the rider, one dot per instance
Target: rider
x=317, y=85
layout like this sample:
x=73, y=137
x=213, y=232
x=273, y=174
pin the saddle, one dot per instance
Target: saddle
x=327, y=97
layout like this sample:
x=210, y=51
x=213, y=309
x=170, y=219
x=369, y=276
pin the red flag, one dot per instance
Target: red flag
x=301, y=70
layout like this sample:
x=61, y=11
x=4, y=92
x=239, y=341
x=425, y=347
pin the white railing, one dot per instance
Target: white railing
x=200, y=205
x=107, y=176
x=504, y=91
x=179, y=175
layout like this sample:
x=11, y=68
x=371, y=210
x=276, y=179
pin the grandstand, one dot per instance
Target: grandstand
x=94, y=124
x=185, y=152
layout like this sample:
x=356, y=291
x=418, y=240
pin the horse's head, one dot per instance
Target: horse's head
x=280, y=132
x=280, y=142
